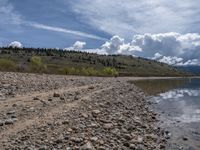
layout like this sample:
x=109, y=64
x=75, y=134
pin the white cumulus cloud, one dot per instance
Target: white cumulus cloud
x=15, y=44
x=79, y=45
x=116, y=45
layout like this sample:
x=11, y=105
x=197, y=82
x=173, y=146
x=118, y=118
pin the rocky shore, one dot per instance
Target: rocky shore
x=65, y=112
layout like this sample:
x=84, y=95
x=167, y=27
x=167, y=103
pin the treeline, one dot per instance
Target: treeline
x=54, y=61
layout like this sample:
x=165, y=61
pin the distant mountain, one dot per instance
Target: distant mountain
x=191, y=69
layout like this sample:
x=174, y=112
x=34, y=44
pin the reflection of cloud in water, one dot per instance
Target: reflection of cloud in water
x=177, y=93
x=190, y=114
x=182, y=100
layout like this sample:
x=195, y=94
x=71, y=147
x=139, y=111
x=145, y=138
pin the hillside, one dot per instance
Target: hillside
x=192, y=69
x=54, y=61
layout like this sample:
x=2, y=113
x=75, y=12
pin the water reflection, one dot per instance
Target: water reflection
x=179, y=98
x=178, y=102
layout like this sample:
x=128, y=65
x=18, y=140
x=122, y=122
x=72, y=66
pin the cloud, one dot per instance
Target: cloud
x=64, y=30
x=8, y=15
x=171, y=48
x=79, y=45
x=173, y=60
x=15, y=44
x=128, y=17
x=116, y=45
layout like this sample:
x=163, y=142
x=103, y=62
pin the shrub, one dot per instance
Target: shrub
x=37, y=64
x=110, y=71
x=6, y=64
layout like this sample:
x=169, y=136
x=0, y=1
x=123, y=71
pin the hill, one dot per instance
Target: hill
x=55, y=61
x=192, y=69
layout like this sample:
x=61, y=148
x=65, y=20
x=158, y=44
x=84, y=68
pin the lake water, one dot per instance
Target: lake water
x=177, y=102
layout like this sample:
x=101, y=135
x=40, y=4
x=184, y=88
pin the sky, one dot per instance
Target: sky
x=166, y=31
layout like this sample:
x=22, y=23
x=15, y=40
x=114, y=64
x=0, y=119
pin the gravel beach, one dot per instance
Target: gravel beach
x=47, y=112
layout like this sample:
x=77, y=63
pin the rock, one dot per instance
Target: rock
x=9, y=121
x=84, y=115
x=108, y=126
x=94, y=139
x=87, y=146
x=36, y=98
x=1, y=123
x=50, y=99
x=76, y=140
x=185, y=138
x=91, y=87
x=140, y=147
x=56, y=95
x=162, y=146
x=101, y=148
x=132, y=146
x=65, y=122
x=96, y=112
x=11, y=112
x=127, y=136
x=76, y=98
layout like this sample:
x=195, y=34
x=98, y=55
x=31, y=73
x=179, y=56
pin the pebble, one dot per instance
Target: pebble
x=87, y=146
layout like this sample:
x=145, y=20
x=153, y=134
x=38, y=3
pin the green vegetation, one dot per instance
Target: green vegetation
x=36, y=64
x=54, y=61
x=7, y=65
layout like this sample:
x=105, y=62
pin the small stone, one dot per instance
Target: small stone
x=84, y=115
x=11, y=112
x=9, y=121
x=185, y=138
x=94, y=139
x=96, y=112
x=76, y=140
x=1, y=123
x=36, y=98
x=140, y=147
x=127, y=136
x=76, y=98
x=91, y=87
x=162, y=146
x=132, y=146
x=56, y=95
x=108, y=126
x=101, y=148
x=87, y=146
x=14, y=105
x=50, y=99
x=65, y=122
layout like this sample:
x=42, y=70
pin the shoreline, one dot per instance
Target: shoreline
x=47, y=111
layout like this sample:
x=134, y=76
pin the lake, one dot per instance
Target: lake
x=177, y=102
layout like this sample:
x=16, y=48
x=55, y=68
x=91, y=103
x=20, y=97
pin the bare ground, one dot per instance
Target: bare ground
x=68, y=112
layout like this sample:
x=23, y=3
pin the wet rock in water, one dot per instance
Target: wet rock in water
x=87, y=146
